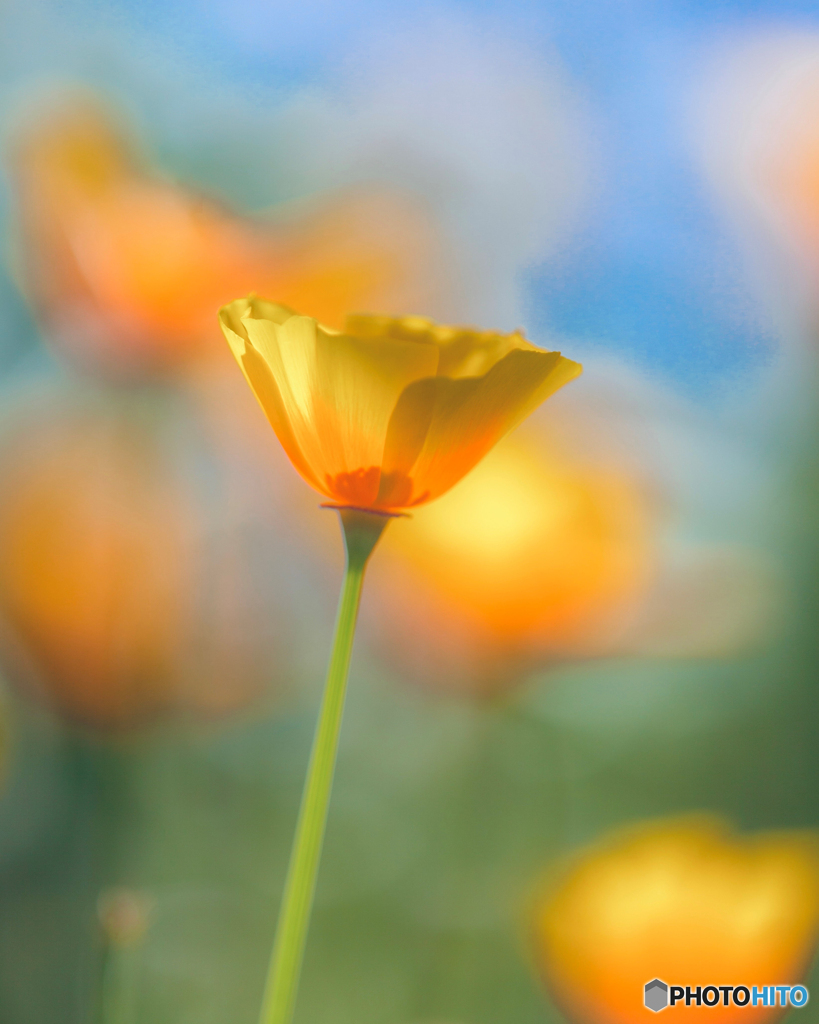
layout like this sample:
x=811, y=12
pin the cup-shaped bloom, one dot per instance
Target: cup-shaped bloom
x=390, y=412
x=685, y=901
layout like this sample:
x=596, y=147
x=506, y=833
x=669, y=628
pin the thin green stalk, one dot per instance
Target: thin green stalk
x=361, y=532
x=125, y=917
x=120, y=986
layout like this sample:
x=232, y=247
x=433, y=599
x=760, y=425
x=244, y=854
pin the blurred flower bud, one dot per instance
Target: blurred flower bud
x=124, y=915
x=126, y=269
x=685, y=901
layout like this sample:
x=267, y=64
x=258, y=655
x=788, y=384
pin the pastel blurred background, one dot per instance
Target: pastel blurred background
x=611, y=622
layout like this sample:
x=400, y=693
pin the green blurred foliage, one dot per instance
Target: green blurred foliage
x=444, y=816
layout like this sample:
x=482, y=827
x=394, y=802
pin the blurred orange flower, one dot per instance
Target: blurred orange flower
x=105, y=554
x=570, y=540
x=759, y=110
x=389, y=413
x=125, y=267
x=683, y=900
x=784, y=141
x=532, y=556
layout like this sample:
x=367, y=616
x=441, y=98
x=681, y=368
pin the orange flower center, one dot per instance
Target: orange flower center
x=359, y=487
x=372, y=488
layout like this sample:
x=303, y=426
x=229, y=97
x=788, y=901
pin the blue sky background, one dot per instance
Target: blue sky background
x=653, y=273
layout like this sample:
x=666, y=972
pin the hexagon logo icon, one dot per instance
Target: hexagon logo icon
x=656, y=995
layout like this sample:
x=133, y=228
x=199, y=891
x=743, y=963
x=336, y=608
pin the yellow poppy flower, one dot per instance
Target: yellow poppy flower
x=385, y=415
x=390, y=412
x=684, y=901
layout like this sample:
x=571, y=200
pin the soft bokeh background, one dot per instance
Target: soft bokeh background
x=612, y=619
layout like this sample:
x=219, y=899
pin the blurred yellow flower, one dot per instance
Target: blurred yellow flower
x=389, y=413
x=531, y=556
x=686, y=901
x=568, y=542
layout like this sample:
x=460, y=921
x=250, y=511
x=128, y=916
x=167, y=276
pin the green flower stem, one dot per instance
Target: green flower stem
x=120, y=986
x=361, y=532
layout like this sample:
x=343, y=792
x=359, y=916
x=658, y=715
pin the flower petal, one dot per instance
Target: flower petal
x=467, y=352
x=233, y=314
x=464, y=351
x=263, y=384
x=338, y=393
x=442, y=426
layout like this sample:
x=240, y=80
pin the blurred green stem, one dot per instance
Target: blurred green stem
x=361, y=531
x=120, y=985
